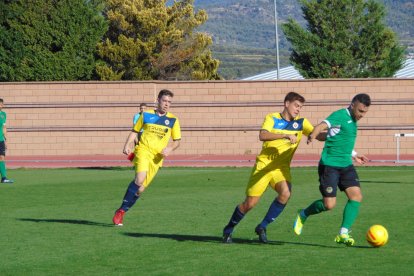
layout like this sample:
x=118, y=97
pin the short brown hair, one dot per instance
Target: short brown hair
x=165, y=92
x=293, y=96
x=362, y=98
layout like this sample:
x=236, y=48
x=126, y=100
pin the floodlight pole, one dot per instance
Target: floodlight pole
x=277, y=42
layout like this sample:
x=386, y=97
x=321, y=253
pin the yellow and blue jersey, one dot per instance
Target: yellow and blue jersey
x=282, y=149
x=157, y=130
x=273, y=163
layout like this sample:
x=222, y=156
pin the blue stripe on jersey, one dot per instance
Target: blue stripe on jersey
x=150, y=118
x=282, y=124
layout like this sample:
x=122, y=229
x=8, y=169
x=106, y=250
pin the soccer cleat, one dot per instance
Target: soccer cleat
x=227, y=238
x=261, y=232
x=298, y=224
x=118, y=217
x=345, y=239
x=6, y=180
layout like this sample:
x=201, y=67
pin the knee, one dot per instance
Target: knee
x=357, y=198
x=284, y=197
x=354, y=194
x=141, y=189
x=139, y=180
x=246, y=206
x=329, y=205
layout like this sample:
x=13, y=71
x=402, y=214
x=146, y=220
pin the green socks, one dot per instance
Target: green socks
x=350, y=213
x=315, y=208
x=3, y=169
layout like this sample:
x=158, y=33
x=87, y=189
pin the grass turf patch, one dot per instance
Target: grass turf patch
x=58, y=221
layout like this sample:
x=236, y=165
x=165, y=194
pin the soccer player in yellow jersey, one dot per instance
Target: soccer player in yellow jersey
x=159, y=126
x=281, y=134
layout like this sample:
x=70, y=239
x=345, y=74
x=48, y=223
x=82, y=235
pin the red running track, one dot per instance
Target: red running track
x=180, y=161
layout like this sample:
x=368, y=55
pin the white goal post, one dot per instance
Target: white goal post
x=398, y=136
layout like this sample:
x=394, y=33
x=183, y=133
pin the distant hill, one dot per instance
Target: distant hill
x=244, y=32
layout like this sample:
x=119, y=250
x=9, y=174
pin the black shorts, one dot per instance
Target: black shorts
x=332, y=177
x=2, y=148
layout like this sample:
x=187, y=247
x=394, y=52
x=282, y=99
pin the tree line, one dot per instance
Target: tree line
x=52, y=40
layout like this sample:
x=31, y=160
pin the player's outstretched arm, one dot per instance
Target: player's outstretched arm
x=127, y=147
x=322, y=136
x=359, y=158
x=317, y=131
x=172, y=147
x=265, y=135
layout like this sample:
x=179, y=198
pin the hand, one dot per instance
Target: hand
x=165, y=152
x=310, y=139
x=292, y=138
x=126, y=151
x=361, y=159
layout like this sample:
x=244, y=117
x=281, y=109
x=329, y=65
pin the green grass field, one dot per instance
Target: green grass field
x=58, y=222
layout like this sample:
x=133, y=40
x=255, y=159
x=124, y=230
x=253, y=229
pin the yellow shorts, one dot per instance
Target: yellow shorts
x=146, y=161
x=264, y=174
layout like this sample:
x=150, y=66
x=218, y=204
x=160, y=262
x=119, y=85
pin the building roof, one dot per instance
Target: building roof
x=407, y=71
x=287, y=73
x=290, y=73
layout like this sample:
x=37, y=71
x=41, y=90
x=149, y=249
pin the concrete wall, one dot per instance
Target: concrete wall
x=221, y=117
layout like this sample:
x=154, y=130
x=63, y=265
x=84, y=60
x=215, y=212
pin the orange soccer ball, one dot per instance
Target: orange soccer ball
x=377, y=235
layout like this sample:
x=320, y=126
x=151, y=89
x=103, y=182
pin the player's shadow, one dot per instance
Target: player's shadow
x=182, y=238
x=216, y=239
x=68, y=221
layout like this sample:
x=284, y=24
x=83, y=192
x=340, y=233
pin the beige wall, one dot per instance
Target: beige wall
x=84, y=118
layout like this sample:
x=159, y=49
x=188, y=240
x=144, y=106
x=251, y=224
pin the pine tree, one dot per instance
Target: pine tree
x=343, y=39
x=48, y=40
x=149, y=40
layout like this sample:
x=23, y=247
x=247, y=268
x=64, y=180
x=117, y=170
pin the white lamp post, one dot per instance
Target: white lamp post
x=277, y=43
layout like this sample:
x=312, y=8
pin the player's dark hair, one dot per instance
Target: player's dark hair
x=1, y=100
x=362, y=98
x=293, y=96
x=165, y=92
x=142, y=104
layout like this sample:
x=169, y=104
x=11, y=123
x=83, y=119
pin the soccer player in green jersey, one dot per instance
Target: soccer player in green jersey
x=3, y=144
x=281, y=134
x=159, y=126
x=336, y=168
